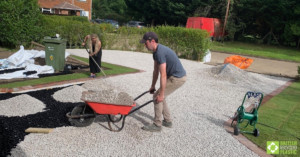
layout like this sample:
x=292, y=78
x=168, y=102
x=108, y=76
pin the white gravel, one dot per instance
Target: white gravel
x=199, y=109
x=69, y=94
x=21, y=105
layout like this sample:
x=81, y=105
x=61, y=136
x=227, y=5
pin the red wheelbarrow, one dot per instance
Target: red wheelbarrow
x=85, y=114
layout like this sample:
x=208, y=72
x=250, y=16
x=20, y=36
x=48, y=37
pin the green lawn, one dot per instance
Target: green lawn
x=279, y=118
x=111, y=70
x=259, y=50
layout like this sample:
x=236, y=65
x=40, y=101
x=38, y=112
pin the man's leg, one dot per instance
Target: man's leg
x=162, y=108
x=166, y=112
x=158, y=110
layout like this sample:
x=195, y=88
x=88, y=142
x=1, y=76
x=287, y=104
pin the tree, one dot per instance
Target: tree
x=159, y=12
x=110, y=9
x=265, y=19
x=295, y=25
x=19, y=22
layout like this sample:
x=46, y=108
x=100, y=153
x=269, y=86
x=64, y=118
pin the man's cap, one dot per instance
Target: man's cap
x=149, y=36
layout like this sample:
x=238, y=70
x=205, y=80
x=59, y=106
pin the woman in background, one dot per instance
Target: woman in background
x=95, y=53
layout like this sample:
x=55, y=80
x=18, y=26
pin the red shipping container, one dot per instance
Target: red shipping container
x=212, y=25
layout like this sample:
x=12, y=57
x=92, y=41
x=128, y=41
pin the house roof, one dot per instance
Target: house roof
x=58, y=4
x=48, y=3
x=67, y=6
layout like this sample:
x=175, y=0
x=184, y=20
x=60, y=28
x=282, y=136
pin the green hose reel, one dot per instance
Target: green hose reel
x=245, y=116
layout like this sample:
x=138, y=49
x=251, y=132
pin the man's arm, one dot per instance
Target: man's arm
x=155, y=76
x=163, y=82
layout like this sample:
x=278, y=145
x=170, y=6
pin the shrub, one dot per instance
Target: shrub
x=187, y=43
x=19, y=22
x=71, y=28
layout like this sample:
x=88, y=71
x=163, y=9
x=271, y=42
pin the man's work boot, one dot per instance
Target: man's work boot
x=167, y=124
x=152, y=128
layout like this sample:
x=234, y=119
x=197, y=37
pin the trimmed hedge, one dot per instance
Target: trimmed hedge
x=187, y=43
x=72, y=28
x=67, y=27
x=19, y=22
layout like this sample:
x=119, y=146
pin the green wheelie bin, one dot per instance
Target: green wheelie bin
x=55, y=52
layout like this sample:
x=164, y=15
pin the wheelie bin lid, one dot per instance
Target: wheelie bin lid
x=53, y=40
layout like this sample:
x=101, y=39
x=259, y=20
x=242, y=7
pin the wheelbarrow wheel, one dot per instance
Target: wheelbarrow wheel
x=256, y=132
x=83, y=121
x=236, y=131
x=115, y=118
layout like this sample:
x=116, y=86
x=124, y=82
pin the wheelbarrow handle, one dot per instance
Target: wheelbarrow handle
x=143, y=94
x=140, y=107
x=144, y=103
x=124, y=117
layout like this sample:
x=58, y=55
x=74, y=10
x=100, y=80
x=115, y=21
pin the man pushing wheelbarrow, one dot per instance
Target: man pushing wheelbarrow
x=172, y=76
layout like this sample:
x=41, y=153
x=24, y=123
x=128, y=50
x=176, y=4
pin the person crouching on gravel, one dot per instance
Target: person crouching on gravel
x=95, y=52
x=172, y=76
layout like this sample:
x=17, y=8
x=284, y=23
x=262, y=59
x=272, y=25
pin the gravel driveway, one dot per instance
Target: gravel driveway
x=199, y=109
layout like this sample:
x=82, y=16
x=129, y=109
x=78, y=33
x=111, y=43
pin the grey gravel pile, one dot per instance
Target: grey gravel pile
x=229, y=72
x=21, y=105
x=237, y=76
x=233, y=74
x=104, y=91
x=199, y=109
x=108, y=97
x=101, y=91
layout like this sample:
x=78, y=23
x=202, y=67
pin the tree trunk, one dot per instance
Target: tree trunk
x=275, y=38
x=263, y=39
x=270, y=34
x=152, y=22
x=225, y=21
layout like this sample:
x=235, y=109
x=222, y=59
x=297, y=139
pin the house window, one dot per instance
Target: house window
x=47, y=10
x=72, y=12
x=84, y=13
x=81, y=0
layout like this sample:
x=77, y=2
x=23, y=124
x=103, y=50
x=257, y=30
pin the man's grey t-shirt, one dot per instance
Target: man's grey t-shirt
x=174, y=67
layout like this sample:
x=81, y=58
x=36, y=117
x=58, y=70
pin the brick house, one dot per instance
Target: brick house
x=67, y=7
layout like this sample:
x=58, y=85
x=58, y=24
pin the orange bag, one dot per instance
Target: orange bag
x=238, y=61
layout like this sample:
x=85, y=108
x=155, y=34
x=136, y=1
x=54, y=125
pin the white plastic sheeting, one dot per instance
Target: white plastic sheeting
x=22, y=58
x=207, y=57
x=25, y=58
